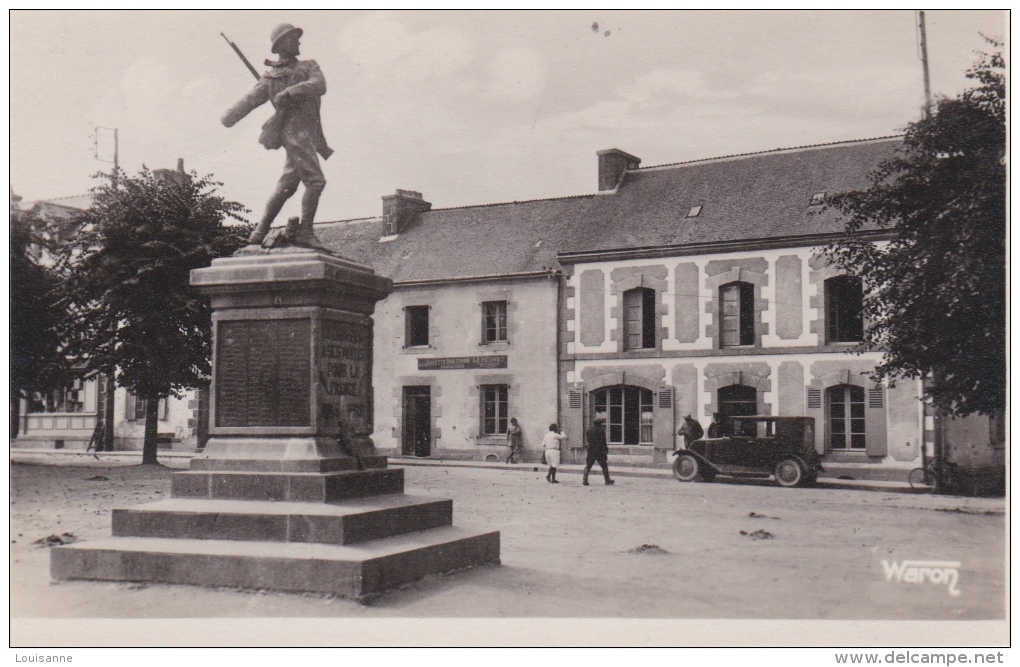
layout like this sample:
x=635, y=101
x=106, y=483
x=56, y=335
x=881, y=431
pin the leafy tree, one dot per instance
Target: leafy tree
x=936, y=292
x=125, y=283
x=35, y=363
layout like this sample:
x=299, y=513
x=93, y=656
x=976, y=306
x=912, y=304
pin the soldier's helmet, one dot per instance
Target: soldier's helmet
x=281, y=31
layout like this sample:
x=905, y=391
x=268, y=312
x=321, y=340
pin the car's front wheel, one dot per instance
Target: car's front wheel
x=686, y=468
x=789, y=472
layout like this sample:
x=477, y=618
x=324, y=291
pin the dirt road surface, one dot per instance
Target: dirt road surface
x=644, y=548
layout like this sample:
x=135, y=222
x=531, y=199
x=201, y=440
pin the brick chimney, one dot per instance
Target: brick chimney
x=612, y=163
x=400, y=210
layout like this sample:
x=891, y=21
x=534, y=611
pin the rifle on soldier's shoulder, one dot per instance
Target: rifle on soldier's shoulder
x=240, y=55
x=272, y=129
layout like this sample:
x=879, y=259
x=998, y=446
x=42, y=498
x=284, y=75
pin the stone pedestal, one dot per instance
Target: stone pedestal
x=289, y=492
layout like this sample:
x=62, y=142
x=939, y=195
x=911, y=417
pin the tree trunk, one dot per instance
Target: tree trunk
x=151, y=444
x=111, y=394
x=15, y=413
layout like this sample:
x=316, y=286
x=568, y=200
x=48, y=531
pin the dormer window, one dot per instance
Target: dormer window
x=694, y=212
x=817, y=199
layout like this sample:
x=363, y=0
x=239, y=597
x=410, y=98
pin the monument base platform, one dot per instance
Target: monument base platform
x=295, y=487
x=289, y=493
x=359, y=571
x=243, y=523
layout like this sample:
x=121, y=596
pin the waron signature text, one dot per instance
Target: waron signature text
x=939, y=572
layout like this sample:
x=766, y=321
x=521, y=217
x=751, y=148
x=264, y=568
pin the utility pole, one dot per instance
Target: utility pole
x=923, y=44
x=110, y=379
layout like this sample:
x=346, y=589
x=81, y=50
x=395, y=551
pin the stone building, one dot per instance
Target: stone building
x=692, y=288
x=699, y=289
x=468, y=338
x=679, y=289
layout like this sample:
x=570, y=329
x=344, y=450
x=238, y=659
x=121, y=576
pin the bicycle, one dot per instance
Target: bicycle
x=934, y=476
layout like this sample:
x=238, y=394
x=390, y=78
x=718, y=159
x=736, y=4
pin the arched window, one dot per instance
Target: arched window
x=628, y=412
x=639, y=319
x=844, y=306
x=738, y=400
x=736, y=314
x=845, y=406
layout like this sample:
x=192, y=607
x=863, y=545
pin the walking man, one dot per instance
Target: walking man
x=294, y=87
x=598, y=450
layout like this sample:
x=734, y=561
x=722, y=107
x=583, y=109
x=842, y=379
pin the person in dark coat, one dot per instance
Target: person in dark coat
x=691, y=430
x=715, y=429
x=598, y=450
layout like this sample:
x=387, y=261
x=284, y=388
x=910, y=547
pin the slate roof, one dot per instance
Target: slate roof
x=745, y=197
x=60, y=208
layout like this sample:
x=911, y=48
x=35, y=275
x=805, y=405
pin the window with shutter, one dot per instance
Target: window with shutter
x=736, y=305
x=136, y=408
x=629, y=414
x=639, y=318
x=846, y=417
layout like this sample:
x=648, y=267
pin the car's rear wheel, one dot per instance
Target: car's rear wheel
x=789, y=472
x=686, y=468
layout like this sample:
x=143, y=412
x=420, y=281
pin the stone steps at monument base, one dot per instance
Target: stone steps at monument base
x=292, y=487
x=347, y=522
x=285, y=465
x=355, y=571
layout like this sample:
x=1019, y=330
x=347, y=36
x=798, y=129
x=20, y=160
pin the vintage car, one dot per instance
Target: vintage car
x=755, y=446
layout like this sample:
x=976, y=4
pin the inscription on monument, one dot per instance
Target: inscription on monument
x=262, y=373
x=345, y=374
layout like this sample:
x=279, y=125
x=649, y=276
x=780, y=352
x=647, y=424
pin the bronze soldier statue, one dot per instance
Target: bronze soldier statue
x=294, y=87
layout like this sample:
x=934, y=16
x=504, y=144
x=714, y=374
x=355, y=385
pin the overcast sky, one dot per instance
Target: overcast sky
x=466, y=107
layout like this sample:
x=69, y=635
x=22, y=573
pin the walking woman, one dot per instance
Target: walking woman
x=514, y=440
x=551, y=445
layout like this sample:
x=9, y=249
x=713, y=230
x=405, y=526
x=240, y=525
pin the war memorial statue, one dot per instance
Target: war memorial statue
x=289, y=493
x=295, y=88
